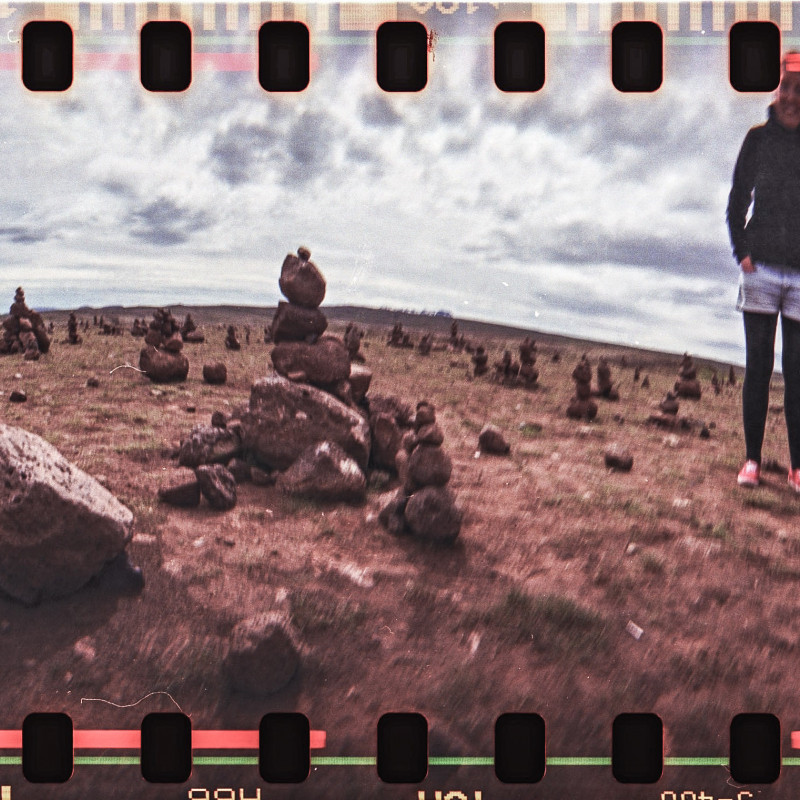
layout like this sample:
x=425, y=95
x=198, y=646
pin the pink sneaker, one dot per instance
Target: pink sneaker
x=750, y=474
x=794, y=479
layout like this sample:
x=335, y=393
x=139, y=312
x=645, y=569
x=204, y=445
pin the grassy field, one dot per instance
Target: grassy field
x=527, y=612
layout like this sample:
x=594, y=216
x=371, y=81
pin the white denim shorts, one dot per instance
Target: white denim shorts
x=770, y=290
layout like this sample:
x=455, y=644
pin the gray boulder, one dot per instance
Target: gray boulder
x=263, y=655
x=217, y=485
x=207, y=444
x=432, y=514
x=284, y=418
x=324, y=362
x=324, y=472
x=58, y=526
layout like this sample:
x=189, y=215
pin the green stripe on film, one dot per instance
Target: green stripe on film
x=581, y=761
x=225, y=761
x=111, y=761
x=10, y=761
x=460, y=761
x=716, y=761
x=343, y=761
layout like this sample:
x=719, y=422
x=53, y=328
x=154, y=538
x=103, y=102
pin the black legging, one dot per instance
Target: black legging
x=759, y=334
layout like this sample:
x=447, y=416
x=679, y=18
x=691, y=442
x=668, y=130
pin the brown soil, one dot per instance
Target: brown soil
x=527, y=612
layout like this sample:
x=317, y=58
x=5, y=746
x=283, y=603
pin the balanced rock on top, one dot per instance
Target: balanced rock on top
x=24, y=330
x=687, y=384
x=161, y=358
x=581, y=406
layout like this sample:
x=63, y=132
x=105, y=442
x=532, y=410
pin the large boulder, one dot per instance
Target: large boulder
x=58, y=526
x=215, y=374
x=293, y=323
x=324, y=362
x=208, y=444
x=284, y=418
x=161, y=366
x=432, y=514
x=324, y=472
x=263, y=656
x=301, y=281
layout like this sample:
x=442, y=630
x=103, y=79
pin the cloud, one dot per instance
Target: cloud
x=237, y=152
x=20, y=234
x=164, y=222
x=375, y=109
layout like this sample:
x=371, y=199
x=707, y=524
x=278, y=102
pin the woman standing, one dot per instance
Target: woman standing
x=767, y=247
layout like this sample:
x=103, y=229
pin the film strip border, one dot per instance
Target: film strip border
x=216, y=19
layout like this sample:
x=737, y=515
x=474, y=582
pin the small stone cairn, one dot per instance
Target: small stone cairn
x=138, y=329
x=231, y=340
x=457, y=341
x=731, y=376
x=24, y=331
x=352, y=341
x=506, y=371
x=605, y=388
x=425, y=344
x=480, y=360
x=73, y=337
x=687, y=384
x=189, y=331
x=161, y=358
x=424, y=505
x=715, y=383
x=528, y=374
x=398, y=338
x=581, y=406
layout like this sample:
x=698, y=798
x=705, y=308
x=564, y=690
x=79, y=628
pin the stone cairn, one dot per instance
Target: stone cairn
x=398, y=338
x=731, y=376
x=231, y=342
x=528, y=374
x=189, y=331
x=138, y=329
x=352, y=341
x=425, y=344
x=457, y=341
x=247, y=334
x=267, y=334
x=715, y=383
x=424, y=505
x=161, y=358
x=687, y=384
x=24, y=331
x=604, y=386
x=73, y=337
x=506, y=370
x=581, y=406
x=480, y=360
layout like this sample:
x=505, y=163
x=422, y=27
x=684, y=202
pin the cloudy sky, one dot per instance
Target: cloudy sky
x=577, y=210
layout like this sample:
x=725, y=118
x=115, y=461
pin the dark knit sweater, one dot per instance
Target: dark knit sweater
x=768, y=172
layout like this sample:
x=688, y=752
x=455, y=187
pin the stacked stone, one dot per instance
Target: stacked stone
x=301, y=352
x=424, y=505
x=506, y=371
x=581, y=406
x=669, y=405
x=528, y=374
x=715, y=384
x=605, y=388
x=425, y=345
x=73, y=337
x=352, y=341
x=189, y=331
x=731, y=376
x=480, y=360
x=687, y=384
x=231, y=341
x=161, y=359
x=457, y=341
x=398, y=338
x=24, y=331
x=138, y=328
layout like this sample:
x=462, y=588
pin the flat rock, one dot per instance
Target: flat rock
x=491, y=440
x=324, y=362
x=58, y=526
x=161, y=366
x=217, y=485
x=324, y=472
x=618, y=458
x=215, y=374
x=301, y=282
x=284, y=418
x=263, y=656
x=207, y=444
x=432, y=514
x=293, y=323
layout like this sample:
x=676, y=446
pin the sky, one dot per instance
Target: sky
x=577, y=210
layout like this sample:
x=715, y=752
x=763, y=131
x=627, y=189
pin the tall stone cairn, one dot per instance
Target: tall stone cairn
x=302, y=353
x=24, y=330
x=687, y=384
x=480, y=360
x=528, y=374
x=161, y=358
x=605, y=388
x=73, y=337
x=424, y=505
x=581, y=406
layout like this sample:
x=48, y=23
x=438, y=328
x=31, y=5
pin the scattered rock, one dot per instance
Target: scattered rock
x=17, y=396
x=219, y=419
x=217, y=486
x=216, y=373
x=58, y=526
x=491, y=440
x=619, y=458
x=210, y=445
x=264, y=654
x=324, y=472
x=185, y=493
x=92, y=382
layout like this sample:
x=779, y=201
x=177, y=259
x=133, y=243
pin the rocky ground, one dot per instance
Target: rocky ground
x=529, y=610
